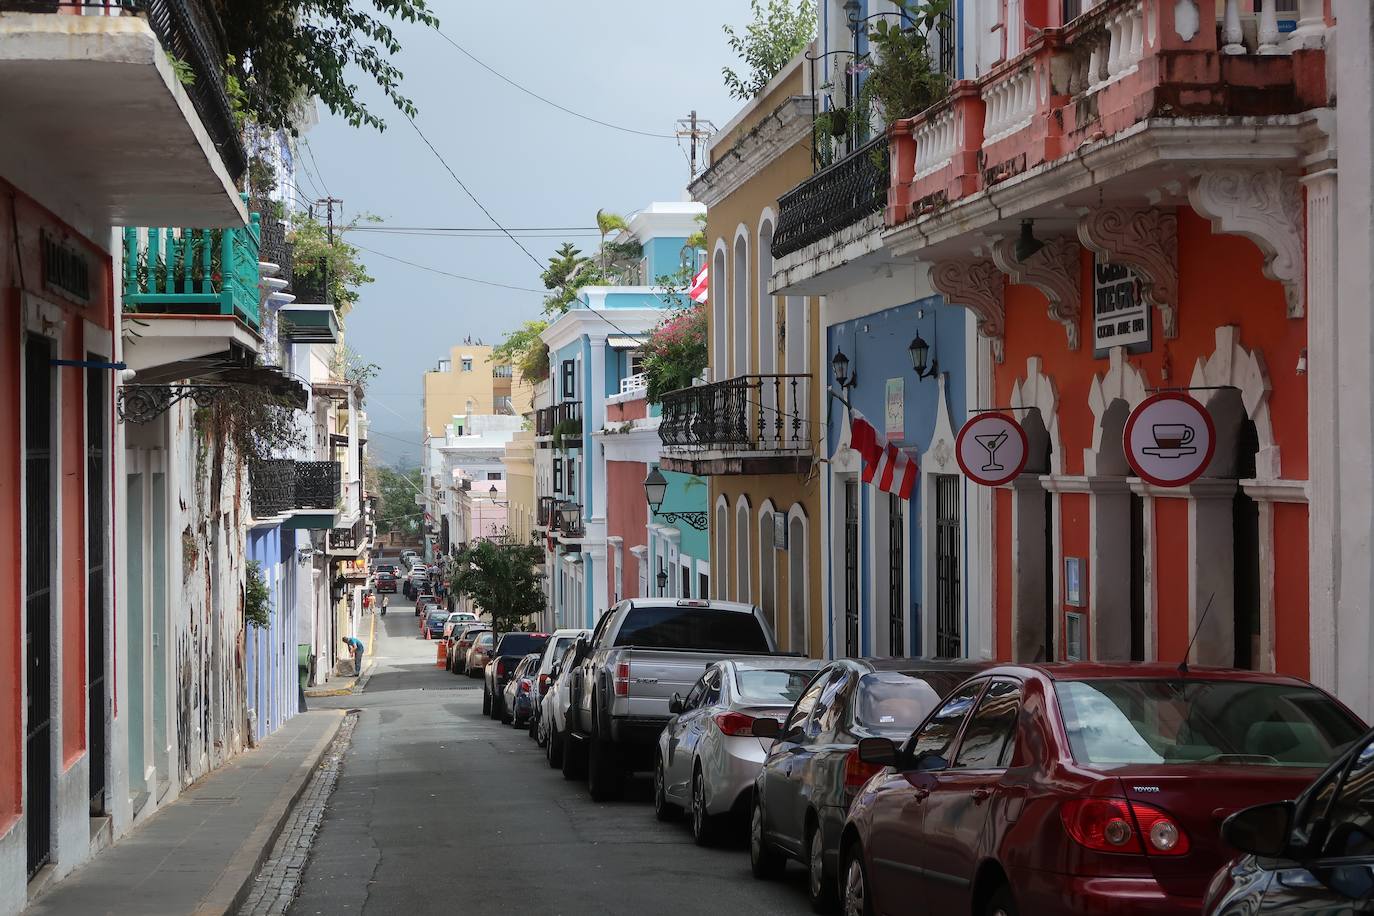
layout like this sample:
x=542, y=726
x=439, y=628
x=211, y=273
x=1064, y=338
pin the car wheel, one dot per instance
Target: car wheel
x=1000, y=903
x=820, y=890
x=553, y=748
x=705, y=826
x=486, y=702
x=856, y=898
x=605, y=780
x=664, y=810
x=574, y=758
x=764, y=860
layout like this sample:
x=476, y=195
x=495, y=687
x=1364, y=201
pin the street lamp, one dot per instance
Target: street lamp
x=661, y=578
x=920, y=355
x=655, y=489
x=840, y=366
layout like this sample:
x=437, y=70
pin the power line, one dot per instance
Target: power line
x=546, y=101
x=555, y=236
x=392, y=257
x=538, y=263
x=318, y=171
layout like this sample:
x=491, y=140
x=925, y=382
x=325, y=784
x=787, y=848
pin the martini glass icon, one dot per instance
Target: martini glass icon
x=992, y=442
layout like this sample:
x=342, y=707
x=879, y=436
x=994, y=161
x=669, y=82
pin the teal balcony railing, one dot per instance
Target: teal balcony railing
x=193, y=271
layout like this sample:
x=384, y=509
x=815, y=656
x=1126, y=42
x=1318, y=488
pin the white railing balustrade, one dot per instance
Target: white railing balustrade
x=633, y=383
x=936, y=140
x=1010, y=105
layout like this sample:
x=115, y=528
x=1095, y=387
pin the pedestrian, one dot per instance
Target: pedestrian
x=355, y=645
x=386, y=600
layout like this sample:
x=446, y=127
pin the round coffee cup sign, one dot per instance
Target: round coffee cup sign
x=1170, y=439
x=991, y=449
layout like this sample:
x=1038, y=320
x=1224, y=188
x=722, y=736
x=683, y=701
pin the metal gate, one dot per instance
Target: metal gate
x=851, y=568
x=38, y=513
x=96, y=523
x=948, y=617
x=896, y=541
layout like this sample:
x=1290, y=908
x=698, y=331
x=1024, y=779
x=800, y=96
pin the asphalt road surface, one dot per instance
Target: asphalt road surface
x=441, y=810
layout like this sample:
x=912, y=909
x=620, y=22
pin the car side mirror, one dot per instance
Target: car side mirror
x=675, y=704
x=1261, y=830
x=765, y=728
x=881, y=751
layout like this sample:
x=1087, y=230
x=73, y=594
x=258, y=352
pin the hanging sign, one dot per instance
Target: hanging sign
x=1121, y=317
x=894, y=410
x=991, y=449
x=1169, y=439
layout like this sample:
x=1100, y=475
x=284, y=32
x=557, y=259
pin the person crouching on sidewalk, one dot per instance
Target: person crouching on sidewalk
x=356, y=647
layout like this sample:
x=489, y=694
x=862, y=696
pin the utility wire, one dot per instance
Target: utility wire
x=562, y=108
x=318, y=171
x=445, y=273
x=538, y=263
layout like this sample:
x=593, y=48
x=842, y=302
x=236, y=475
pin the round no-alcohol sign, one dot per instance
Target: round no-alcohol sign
x=991, y=449
x=1170, y=439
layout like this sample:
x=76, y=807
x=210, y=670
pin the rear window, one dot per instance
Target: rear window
x=781, y=687
x=485, y=639
x=893, y=701
x=691, y=628
x=1120, y=722
x=438, y=616
x=521, y=643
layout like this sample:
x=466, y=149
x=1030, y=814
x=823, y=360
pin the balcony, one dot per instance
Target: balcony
x=561, y=421
x=318, y=484
x=347, y=540
x=273, y=487
x=833, y=199
x=546, y=513
x=169, y=150
x=206, y=272
x=752, y=424
x=301, y=494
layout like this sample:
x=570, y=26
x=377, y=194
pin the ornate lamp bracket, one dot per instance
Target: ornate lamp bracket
x=142, y=403
x=977, y=285
x=1054, y=270
x=1145, y=240
x=697, y=520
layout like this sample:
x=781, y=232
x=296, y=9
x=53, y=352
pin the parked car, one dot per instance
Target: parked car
x=458, y=648
x=559, y=641
x=386, y=582
x=435, y=618
x=812, y=770
x=391, y=569
x=643, y=651
x=509, y=650
x=1313, y=855
x=457, y=620
x=553, y=712
x=708, y=756
x=416, y=582
x=518, y=700
x=1080, y=788
x=479, y=655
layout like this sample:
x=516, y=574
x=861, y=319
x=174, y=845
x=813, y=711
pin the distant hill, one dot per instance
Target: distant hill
x=397, y=447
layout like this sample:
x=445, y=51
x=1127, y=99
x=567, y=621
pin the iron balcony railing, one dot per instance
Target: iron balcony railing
x=345, y=538
x=272, y=245
x=273, y=485
x=833, y=199
x=193, y=271
x=190, y=32
x=750, y=413
x=546, y=514
x=543, y=421
x=318, y=484
x=310, y=287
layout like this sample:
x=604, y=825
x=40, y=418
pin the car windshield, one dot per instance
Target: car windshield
x=780, y=687
x=705, y=629
x=521, y=643
x=893, y=701
x=1122, y=722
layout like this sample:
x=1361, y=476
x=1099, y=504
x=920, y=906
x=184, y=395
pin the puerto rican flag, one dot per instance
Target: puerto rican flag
x=885, y=465
x=697, y=291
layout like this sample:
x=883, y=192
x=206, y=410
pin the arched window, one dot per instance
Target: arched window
x=798, y=615
x=796, y=336
x=742, y=525
x=721, y=552
x=768, y=320
x=739, y=326
x=768, y=600
x=720, y=358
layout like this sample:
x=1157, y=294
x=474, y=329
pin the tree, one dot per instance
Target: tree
x=499, y=576
x=397, y=512
x=568, y=272
x=675, y=352
x=905, y=79
x=777, y=34
x=282, y=53
x=314, y=252
x=525, y=350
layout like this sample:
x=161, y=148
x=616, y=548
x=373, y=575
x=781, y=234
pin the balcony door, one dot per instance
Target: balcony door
x=949, y=641
x=39, y=510
x=851, y=568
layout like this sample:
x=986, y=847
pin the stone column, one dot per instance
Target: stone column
x=1109, y=568
x=1028, y=549
x=1211, y=564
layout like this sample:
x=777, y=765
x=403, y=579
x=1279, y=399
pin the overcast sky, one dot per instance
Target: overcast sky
x=633, y=63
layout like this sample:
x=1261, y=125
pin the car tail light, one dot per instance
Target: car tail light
x=524, y=685
x=1120, y=825
x=500, y=667
x=543, y=684
x=622, y=679
x=856, y=771
x=735, y=724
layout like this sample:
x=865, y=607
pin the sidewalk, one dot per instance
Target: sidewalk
x=342, y=686
x=199, y=854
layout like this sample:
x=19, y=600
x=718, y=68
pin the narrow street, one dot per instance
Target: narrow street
x=440, y=809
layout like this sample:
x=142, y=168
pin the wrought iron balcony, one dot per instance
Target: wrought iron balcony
x=318, y=484
x=740, y=425
x=834, y=198
x=344, y=538
x=273, y=487
x=193, y=271
x=546, y=513
x=543, y=421
x=310, y=287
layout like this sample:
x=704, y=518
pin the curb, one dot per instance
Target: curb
x=227, y=894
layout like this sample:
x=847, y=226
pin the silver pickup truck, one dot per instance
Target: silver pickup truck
x=642, y=652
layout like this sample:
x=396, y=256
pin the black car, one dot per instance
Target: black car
x=813, y=770
x=506, y=655
x=1314, y=855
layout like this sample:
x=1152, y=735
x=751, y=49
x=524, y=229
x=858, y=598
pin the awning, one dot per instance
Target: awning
x=624, y=342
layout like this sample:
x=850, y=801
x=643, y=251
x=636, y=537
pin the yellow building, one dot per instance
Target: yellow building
x=757, y=428
x=468, y=382
x=519, y=462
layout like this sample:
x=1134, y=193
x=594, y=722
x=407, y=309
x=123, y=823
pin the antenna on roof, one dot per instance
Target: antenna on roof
x=1183, y=665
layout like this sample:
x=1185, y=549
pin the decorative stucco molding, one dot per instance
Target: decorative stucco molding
x=1265, y=206
x=1037, y=390
x=1145, y=240
x=1054, y=270
x=1123, y=382
x=977, y=285
x=778, y=131
x=1231, y=365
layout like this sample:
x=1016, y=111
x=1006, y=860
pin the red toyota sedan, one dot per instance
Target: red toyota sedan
x=1079, y=788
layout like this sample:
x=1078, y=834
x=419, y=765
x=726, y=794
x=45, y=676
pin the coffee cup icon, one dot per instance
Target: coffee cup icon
x=1172, y=440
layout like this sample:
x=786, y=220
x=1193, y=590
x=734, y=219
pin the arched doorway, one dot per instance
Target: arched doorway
x=1237, y=449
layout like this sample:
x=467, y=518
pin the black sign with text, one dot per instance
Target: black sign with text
x=1121, y=316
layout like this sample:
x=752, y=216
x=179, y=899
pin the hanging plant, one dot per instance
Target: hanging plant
x=675, y=353
x=905, y=77
x=256, y=598
x=564, y=430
